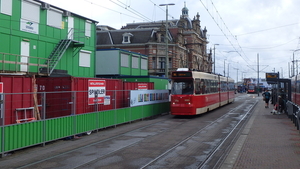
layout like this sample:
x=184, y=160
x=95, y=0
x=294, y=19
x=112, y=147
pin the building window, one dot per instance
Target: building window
x=30, y=11
x=88, y=26
x=126, y=37
x=85, y=58
x=6, y=7
x=153, y=63
x=124, y=60
x=135, y=62
x=54, y=18
x=162, y=38
x=30, y=17
x=162, y=62
x=144, y=64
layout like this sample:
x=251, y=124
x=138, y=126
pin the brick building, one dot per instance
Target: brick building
x=187, y=43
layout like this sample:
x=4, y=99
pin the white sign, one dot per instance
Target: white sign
x=144, y=97
x=96, y=91
x=106, y=100
x=29, y=26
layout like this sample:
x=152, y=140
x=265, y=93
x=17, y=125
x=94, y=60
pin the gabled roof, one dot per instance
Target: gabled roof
x=116, y=36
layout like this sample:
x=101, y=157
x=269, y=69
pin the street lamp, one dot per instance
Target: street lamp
x=224, y=67
x=167, y=39
x=215, y=57
x=293, y=73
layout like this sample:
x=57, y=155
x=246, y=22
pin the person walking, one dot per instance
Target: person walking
x=266, y=95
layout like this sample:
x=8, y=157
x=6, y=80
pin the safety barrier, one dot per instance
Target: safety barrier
x=60, y=118
x=293, y=112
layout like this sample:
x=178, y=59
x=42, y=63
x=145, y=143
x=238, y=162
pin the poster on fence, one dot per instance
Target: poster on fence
x=144, y=97
x=96, y=92
x=106, y=100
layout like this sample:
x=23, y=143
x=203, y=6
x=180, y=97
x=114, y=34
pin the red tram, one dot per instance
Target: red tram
x=295, y=93
x=251, y=88
x=199, y=92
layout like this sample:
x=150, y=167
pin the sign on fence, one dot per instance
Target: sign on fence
x=144, y=97
x=96, y=92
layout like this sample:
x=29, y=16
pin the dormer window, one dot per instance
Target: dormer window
x=126, y=37
x=162, y=38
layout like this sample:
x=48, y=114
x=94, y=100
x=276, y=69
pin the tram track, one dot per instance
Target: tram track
x=210, y=155
x=143, y=147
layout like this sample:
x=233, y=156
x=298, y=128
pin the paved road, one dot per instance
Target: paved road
x=161, y=142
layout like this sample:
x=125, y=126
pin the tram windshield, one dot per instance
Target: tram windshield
x=182, y=87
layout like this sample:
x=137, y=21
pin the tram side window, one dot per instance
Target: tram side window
x=214, y=86
x=202, y=86
x=223, y=86
x=197, y=86
x=207, y=86
x=230, y=86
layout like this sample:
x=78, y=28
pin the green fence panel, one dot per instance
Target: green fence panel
x=1, y=138
x=148, y=111
x=23, y=135
x=106, y=118
x=86, y=122
x=37, y=132
x=59, y=128
x=123, y=115
x=136, y=112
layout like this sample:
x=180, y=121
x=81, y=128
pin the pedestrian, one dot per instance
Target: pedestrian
x=266, y=97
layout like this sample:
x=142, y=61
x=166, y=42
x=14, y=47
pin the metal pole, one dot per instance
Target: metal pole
x=224, y=67
x=228, y=70
x=215, y=58
x=293, y=66
x=257, y=74
x=167, y=47
x=167, y=40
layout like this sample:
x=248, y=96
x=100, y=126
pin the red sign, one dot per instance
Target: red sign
x=97, y=91
x=142, y=86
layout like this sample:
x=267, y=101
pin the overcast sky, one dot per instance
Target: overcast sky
x=244, y=29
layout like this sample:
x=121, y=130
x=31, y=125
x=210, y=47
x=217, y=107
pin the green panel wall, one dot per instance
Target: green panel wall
x=144, y=72
x=135, y=72
x=86, y=122
x=125, y=71
x=23, y=135
x=159, y=83
x=42, y=44
x=123, y=116
x=106, y=118
x=26, y=134
x=59, y=128
x=1, y=138
x=136, y=112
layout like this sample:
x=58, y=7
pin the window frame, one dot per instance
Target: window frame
x=6, y=7
x=85, y=58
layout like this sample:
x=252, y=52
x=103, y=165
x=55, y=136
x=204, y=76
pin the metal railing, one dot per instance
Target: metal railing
x=13, y=63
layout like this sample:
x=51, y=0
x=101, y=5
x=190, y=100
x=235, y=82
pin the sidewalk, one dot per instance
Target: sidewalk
x=267, y=142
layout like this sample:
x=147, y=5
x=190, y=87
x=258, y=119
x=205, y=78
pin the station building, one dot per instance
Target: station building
x=187, y=45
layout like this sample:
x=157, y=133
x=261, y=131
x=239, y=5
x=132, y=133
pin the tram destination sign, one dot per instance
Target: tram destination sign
x=272, y=77
x=182, y=74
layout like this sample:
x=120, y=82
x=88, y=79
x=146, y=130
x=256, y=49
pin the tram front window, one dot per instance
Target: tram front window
x=182, y=87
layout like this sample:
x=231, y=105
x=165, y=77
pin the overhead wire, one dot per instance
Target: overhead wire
x=130, y=10
x=234, y=37
x=111, y=9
